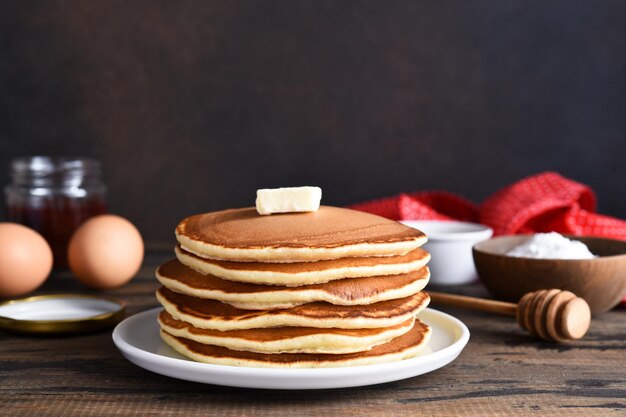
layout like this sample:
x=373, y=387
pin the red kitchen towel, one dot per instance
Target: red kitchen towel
x=540, y=203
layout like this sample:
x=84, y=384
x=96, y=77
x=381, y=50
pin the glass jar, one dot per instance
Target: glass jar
x=54, y=196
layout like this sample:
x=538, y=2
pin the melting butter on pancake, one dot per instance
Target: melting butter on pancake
x=329, y=233
x=306, y=273
x=287, y=339
x=402, y=347
x=212, y=314
x=353, y=291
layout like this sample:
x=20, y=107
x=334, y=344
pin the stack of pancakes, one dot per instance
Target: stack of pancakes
x=334, y=287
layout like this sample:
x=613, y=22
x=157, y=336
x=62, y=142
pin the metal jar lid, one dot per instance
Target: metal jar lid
x=60, y=314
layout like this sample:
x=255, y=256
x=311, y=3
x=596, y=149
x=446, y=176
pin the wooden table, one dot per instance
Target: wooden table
x=501, y=372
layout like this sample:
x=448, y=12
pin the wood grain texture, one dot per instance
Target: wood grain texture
x=501, y=372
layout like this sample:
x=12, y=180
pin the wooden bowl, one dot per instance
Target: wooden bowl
x=600, y=281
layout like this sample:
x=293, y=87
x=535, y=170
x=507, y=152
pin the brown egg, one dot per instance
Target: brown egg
x=105, y=252
x=25, y=260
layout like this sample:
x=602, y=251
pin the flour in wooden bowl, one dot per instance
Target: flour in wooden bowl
x=551, y=246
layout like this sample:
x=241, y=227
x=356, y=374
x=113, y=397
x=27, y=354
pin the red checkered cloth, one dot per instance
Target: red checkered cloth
x=542, y=203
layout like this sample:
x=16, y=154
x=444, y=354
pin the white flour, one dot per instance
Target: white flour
x=551, y=246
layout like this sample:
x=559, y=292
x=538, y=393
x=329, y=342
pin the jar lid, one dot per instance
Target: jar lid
x=60, y=314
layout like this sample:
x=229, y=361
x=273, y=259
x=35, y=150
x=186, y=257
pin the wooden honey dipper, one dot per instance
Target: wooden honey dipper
x=553, y=315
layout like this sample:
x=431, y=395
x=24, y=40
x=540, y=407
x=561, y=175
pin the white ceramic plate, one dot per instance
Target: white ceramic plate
x=138, y=339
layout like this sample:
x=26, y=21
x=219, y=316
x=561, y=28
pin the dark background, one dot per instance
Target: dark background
x=193, y=105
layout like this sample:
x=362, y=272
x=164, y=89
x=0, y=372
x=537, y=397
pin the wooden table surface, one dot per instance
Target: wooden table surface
x=501, y=372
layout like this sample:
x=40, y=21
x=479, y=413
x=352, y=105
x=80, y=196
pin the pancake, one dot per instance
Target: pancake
x=353, y=291
x=212, y=314
x=305, y=273
x=402, y=347
x=287, y=339
x=329, y=233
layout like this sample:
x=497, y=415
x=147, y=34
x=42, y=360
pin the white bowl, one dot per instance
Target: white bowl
x=450, y=246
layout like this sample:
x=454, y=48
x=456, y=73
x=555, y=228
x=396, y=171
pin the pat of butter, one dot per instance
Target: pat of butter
x=288, y=199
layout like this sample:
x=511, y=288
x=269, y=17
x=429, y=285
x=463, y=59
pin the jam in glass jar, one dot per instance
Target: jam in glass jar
x=54, y=196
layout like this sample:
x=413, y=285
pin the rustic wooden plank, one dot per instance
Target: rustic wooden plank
x=502, y=372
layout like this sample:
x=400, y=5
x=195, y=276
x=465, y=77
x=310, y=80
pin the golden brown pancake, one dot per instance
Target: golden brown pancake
x=402, y=347
x=287, y=339
x=329, y=233
x=306, y=273
x=212, y=314
x=353, y=291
